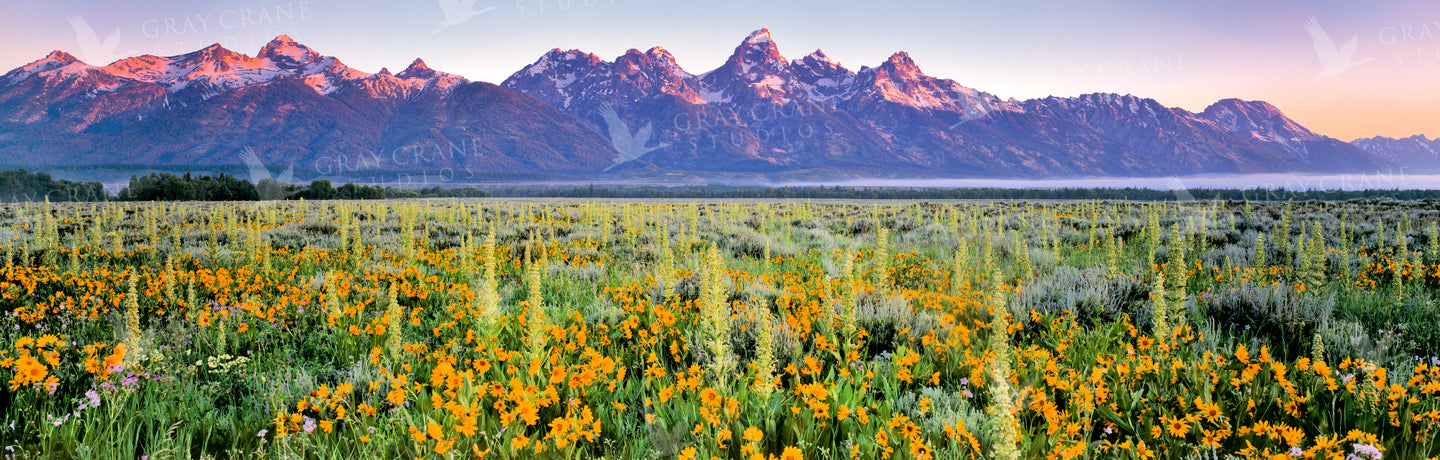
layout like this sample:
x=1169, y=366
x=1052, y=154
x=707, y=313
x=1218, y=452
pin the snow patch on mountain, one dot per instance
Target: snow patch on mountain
x=55, y=60
x=216, y=70
x=714, y=96
x=755, y=70
x=758, y=37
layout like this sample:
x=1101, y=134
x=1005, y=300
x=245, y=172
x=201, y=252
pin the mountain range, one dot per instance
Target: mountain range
x=572, y=114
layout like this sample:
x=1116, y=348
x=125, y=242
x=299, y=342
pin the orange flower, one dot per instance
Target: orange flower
x=710, y=397
x=27, y=370
x=433, y=430
x=898, y=420
x=753, y=434
x=911, y=431
x=1142, y=452
x=1178, y=427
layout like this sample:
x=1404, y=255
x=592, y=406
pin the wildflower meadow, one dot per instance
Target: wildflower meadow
x=671, y=329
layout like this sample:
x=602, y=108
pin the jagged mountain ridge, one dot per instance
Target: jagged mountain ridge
x=895, y=117
x=287, y=105
x=759, y=112
x=1416, y=154
x=574, y=113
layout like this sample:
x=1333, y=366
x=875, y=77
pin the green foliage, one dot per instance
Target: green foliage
x=1177, y=279
x=170, y=187
x=1087, y=295
x=1285, y=318
x=21, y=185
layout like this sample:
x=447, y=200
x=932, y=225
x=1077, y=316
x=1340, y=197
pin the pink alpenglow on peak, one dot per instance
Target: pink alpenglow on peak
x=216, y=70
x=759, y=36
x=287, y=53
x=758, y=111
x=820, y=58
x=417, y=69
x=54, y=60
x=58, y=56
x=901, y=63
x=61, y=68
x=664, y=58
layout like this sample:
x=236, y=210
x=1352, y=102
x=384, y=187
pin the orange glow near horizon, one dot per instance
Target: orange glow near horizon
x=1365, y=121
x=1385, y=99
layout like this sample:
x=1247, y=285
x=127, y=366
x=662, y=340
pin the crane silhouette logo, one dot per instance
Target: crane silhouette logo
x=668, y=442
x=92, y=49
x=631, y=146
x=970, y=113
x=1333, y=60
x=1177, y=186
x=458, y=12
x=259, y=172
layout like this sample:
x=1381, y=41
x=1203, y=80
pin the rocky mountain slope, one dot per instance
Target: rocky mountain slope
x=574, y=114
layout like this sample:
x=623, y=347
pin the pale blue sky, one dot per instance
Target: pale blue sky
x=1183, y=53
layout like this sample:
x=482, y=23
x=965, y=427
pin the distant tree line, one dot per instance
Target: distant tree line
x=170, y=187
x=324, y=190
x=882, y=193
x=225, y=187
x=22, y=185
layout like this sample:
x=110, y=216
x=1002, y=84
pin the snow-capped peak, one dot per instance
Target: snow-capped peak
x=214, y=52
x=558, y=59
x=220, y=69
x=1263, y=122
x=561, y=55
x=417, y=69
x=757, y=37
x=901, y=64
x=56, y=56
x=756, y=59
x=662, y=56
x=287, y=53
x=758, y=49
x=55, y=60
x=818, y=62
x=1261, y=119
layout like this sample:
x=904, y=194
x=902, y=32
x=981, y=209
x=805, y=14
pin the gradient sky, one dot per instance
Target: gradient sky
x=1185, y=53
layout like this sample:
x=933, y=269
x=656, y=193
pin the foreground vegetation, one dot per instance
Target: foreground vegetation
x=691, y=330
